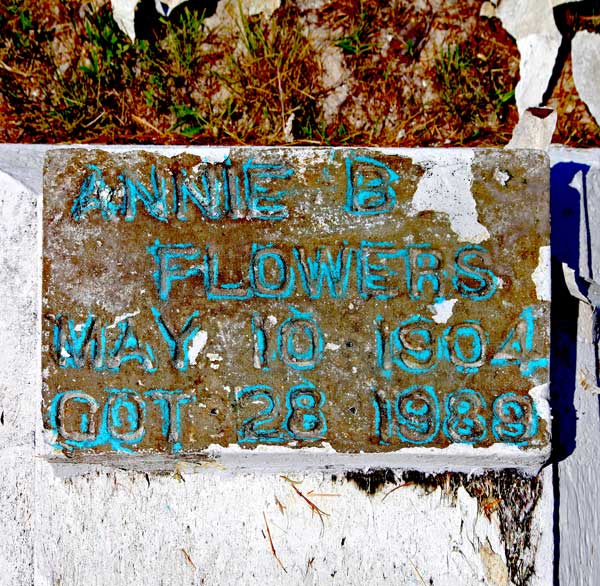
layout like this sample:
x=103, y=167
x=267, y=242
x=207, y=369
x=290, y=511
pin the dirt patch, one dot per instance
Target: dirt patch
x=399, y=73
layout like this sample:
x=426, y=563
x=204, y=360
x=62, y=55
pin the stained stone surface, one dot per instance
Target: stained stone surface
x=358, y=300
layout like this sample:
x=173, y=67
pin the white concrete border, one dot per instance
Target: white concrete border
x=73, y=525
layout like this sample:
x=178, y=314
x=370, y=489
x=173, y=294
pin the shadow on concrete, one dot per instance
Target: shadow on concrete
x=567, y=226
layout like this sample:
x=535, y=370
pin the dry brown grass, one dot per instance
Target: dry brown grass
x=411, y=76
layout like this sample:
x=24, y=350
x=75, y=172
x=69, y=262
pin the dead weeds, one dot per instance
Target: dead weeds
x=315, y=510
x=414, y=75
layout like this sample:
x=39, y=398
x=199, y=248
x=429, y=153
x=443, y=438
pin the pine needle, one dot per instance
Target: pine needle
x=271, y=544
x=395, y=489
x=188, y=558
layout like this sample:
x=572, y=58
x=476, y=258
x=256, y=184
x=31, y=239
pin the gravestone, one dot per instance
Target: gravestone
x=340, y=302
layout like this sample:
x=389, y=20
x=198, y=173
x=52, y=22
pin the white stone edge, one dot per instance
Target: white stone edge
x=563, y=154
x=267, y=459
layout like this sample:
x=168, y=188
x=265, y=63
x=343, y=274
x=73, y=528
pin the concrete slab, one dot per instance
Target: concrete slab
x=70, y=523
x=333, y=301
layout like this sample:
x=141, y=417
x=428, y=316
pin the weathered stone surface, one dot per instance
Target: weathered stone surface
x=357, y=300
x=586, y=69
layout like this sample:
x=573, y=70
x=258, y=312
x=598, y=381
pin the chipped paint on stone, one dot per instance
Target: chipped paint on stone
x=541, y=396
x=531, y=23
x=118, y=319
x=124, y=14
x=197, y=345
x=572, y=283
x=502, y=177
x=483, y=534
x=446, y=187
x=541, y=275
x=456, y=457
x=533, y=131
x=442, y=310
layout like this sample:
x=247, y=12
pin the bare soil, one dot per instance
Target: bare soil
x=396, y=73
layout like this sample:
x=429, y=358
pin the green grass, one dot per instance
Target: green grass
x=183, y=44
x=471, y=89
x=357, y=41
x=459, y=90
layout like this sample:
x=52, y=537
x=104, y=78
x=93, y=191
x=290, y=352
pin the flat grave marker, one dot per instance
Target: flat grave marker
x=357, y=300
